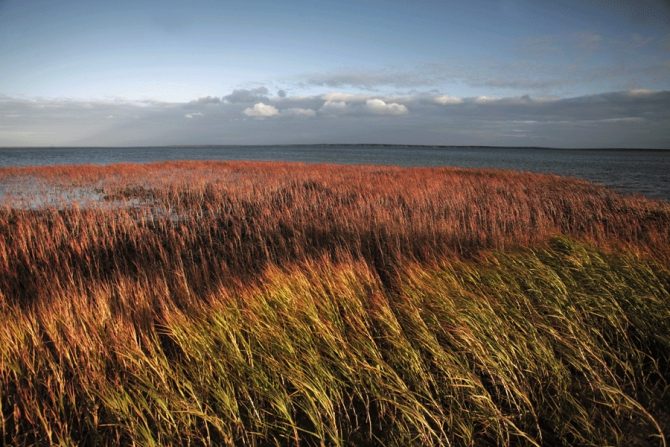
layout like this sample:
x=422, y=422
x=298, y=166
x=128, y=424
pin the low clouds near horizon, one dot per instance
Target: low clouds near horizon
x=631, y=118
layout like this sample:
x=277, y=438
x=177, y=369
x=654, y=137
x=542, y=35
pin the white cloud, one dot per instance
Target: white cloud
x=261, y=110
x=191, y=115
x=484, y=99
x=379, y=107
x=640, y=92
x=629, y=119
x=334, y=107
x=446, y=99
x=298, y=112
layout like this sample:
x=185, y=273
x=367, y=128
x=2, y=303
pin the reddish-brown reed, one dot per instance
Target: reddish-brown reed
x=213, y=223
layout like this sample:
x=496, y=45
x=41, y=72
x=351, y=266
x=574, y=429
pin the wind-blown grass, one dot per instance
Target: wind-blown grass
x=286, y=304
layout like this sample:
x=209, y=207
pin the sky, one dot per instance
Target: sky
x=555, y=73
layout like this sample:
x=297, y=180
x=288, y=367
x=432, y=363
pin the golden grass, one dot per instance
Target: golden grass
x=220, y=303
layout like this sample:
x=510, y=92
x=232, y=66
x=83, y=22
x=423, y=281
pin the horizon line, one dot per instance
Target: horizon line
x=390, y=145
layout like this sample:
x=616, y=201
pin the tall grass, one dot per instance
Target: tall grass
x=212, y=222
x=208, y=303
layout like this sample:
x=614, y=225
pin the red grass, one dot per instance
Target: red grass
x=213, y=223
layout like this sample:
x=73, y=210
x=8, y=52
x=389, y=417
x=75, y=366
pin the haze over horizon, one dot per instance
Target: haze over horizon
x=590, y=73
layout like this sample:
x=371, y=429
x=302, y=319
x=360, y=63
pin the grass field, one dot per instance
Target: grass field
x=239, y=303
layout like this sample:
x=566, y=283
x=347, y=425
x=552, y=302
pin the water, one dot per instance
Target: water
x=631, y=171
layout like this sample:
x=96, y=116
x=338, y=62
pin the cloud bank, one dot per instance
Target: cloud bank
x=630, y=118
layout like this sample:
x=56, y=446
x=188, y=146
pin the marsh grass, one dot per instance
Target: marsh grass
x=287, y=304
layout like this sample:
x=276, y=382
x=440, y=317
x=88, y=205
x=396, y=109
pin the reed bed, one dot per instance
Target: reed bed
x=236, y=303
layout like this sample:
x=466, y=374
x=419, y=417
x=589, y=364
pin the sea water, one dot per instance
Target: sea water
x=630, y=171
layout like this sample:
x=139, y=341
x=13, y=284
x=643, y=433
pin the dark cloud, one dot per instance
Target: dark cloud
x=204, y=101
x=247, y=96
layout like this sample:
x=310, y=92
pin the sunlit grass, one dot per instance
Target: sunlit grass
x=285, y=304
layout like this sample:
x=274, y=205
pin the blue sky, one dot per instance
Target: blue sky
x=589, y=73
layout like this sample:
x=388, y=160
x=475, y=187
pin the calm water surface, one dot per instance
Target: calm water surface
x=645, y=172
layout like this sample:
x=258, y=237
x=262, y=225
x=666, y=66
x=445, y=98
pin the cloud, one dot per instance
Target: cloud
x=628, y=118
x=337, y=104
x=589, y=41
x=204, y=101
x=419, y=76
x=484, y=99
x=639, y=41
x=540, y=47
x=345, y=78
x=295, y=98
x=503, y=81
x=634, y=119
x=665, y=43
x=379, y=107
x=640, y=92
x=247, y=96
x=493, y=101
x=446, y=99
x=298, y=112
x=559, y=64
x=504, y=75
x=344, y=97
x=261, y=110
x=331, y=107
